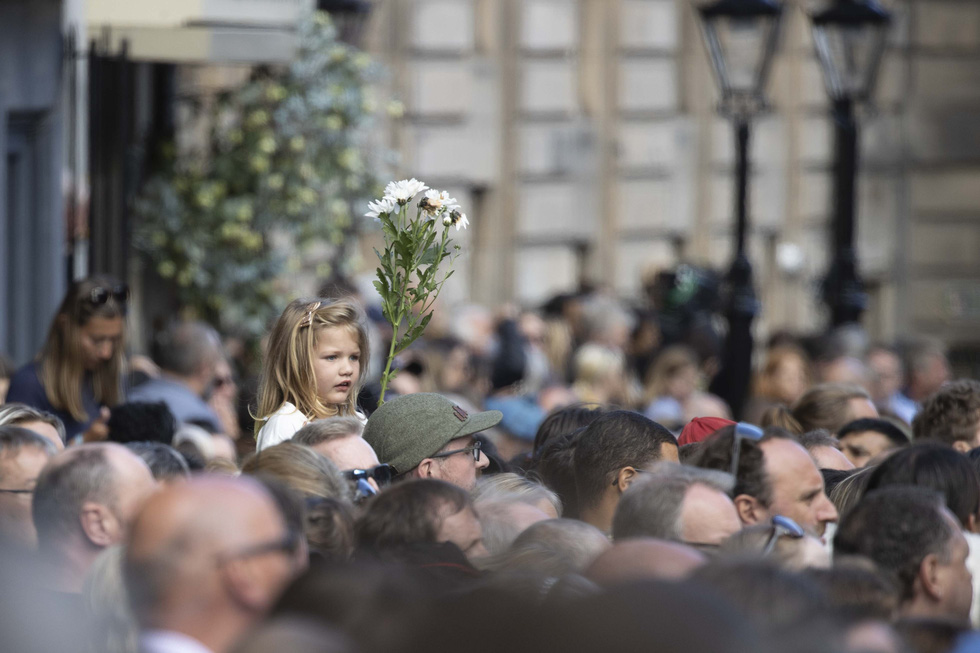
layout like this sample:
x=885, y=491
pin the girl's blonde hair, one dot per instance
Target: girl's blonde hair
x=288, y=373
x=60, y=364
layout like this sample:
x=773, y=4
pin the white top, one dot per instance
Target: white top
x=283, y=424
x=973, y=564
x=169, y=641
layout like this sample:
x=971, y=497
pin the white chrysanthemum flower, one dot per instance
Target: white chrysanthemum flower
x=383, y=205
x=403, y=191
x=436, y=203
x=459, y=219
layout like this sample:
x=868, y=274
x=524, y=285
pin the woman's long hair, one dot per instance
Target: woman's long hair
x=288, y=373
x=824, y=406
x=60, y=362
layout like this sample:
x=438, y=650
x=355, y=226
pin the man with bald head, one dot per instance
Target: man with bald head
x=643, y=558
x=205, y=561
x=84, y=501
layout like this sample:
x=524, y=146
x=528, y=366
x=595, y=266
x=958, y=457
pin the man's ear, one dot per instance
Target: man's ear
x=928, y=578
x=100, y=526
x=426, y=468
x=625, y=478
x=962, y=446
x=750, y=510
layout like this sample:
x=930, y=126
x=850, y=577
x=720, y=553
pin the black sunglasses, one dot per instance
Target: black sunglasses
x=100, y=294
x=382, y=474
x=743, y=431
x=782, y=526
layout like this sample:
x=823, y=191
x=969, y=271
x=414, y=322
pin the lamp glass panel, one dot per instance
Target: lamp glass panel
x=742, y=44
x=849, y=56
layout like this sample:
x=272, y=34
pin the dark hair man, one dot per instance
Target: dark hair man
x=909, y=534
x=863, y=440
x=425, y=435
x=165, y=463
x=424, y=511
x=188, y=354
x=84, y=501
x=775, y=476
x=611, y=454
x=951, y=415
x=680, y=504
x=23, y=454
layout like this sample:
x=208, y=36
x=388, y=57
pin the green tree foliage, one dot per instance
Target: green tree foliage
x=285, y=161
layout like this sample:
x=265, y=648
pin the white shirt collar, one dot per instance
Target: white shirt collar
x=169, y=641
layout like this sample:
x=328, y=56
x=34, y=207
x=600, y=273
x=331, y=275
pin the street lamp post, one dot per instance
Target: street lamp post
x=850, y=39
x=741, y=37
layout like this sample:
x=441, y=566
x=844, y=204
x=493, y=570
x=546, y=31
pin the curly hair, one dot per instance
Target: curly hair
x=951, y=414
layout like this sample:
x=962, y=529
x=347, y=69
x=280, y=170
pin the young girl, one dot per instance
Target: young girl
x=317, y=355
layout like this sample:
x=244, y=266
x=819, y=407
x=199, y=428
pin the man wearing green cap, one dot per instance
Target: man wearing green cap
x=425, y=435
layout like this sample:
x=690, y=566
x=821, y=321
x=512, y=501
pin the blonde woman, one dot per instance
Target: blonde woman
x=77, y=374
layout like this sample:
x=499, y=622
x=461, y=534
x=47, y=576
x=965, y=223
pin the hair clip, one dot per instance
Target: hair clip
x=308, y=318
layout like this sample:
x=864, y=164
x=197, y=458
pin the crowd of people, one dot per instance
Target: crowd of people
x=561, y=478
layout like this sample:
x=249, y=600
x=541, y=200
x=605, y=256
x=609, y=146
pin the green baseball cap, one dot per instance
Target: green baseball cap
x=410, y=428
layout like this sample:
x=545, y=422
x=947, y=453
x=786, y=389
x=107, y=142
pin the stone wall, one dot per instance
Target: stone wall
x=583, y=136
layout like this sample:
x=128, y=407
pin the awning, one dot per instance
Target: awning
x=199, y=31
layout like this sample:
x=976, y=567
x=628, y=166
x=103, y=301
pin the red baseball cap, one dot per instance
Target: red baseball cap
x=700, y=428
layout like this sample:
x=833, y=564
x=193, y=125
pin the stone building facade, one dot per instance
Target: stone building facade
x=583, y=137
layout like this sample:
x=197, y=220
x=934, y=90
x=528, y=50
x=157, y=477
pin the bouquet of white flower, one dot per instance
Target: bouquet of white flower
x=409, y=278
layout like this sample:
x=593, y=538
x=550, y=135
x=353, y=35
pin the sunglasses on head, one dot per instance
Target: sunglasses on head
x=382, y=474
x=743, y=431
x=782, y=526
x=101, y=294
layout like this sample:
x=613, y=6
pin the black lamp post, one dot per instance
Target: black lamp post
x=350, y=16
x=741, y=37
x=850, y=39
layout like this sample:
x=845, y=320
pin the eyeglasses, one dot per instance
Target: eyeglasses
x=100, y=294
x=17, y=491
x=380, y=473
x=475, y=448
x=743, y=431
x=288, y=544
x=782, y=526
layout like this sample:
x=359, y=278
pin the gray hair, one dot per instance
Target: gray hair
x=328, y=429
x=14, y=438
x=510, y=485
x=554, y=547
x=651, y=507
x=16, y=414
x=164, y=461
x=185, y=346
x=78, y=475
